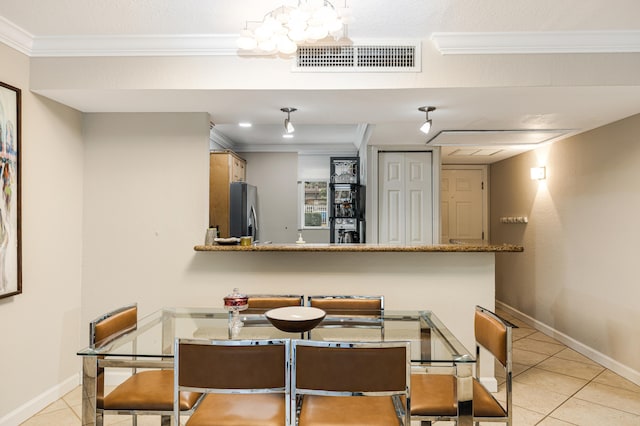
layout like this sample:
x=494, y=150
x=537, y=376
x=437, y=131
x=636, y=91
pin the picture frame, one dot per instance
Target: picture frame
x=10, y=191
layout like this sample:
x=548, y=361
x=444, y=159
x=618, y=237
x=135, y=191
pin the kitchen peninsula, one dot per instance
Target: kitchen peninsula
x=449, y=279
x=369, y=248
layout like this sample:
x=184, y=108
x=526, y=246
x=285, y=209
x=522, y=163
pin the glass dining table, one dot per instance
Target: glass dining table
x=151, y=344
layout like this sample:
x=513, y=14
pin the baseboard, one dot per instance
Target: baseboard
x=596, y=356
x=32, y=407
x=490, y=383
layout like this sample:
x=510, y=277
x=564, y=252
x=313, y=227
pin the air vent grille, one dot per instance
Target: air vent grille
x=363, y=58
x=325, y=56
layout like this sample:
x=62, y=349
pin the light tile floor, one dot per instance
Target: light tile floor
x=552, y=386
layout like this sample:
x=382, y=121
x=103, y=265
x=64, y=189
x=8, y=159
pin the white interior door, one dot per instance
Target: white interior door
x=462, y=204
x=405, y=198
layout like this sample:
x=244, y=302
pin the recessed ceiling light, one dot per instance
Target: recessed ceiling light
x=244, y=124
x=287, y=136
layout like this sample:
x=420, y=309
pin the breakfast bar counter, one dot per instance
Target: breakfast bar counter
x=366, y=248
x=449, y=279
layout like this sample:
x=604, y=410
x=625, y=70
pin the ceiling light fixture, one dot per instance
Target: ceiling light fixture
x=427, y=124
x=244, y=124
x=288, y=126
x=284, y=28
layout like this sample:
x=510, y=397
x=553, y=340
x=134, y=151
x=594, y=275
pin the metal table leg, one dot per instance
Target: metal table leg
x=89, y=389
x=464, y=392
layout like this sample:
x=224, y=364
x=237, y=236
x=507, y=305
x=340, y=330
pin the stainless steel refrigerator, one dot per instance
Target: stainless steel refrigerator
x=243, y=210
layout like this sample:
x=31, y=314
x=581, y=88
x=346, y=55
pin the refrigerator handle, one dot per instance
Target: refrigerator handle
x=254, y=218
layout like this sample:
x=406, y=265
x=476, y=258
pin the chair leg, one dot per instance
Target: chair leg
x=165, y=420
x=134, y=420
x=99, y=418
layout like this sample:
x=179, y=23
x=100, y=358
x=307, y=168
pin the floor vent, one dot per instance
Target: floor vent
x=359, y=58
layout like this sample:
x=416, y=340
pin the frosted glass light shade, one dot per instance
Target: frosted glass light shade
x=426, y=127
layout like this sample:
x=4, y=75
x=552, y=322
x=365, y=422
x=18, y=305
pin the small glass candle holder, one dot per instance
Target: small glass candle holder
x=234, y=303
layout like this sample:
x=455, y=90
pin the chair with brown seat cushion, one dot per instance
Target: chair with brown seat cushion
x=145, y=392
x=433, y=395
x=350, y=311
x=350, y=383
x=348, y=304
x=261, y=303
x=245, y=382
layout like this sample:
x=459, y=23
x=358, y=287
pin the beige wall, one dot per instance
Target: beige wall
x=40, y=328
x=578, y=275
x=145, y=207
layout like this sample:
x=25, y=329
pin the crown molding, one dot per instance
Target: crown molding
x=215, y=136
x=15, y=37
x=136, y=45
x=301, y=148
x=447, y=43
x=537, y=42
x=119, y=45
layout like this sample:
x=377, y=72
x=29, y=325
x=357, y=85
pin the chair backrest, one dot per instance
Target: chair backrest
x=493, y=333
x=261, y=303
x=348, y=305
x=351, y=369
x=223, y=366
x=105, y=329
x=112, y=325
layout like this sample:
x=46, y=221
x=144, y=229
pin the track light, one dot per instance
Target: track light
x=288, y=126
x=427, y=124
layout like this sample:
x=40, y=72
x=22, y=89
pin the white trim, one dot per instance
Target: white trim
x=35, y=405
x=300, y=148
x=225, y=44
x=537, y=42
x=602, y=359
x=219, y=138
x=491, y=383
x=372, y=207
x=15, y=37
x=361, y=133
x=135, y=45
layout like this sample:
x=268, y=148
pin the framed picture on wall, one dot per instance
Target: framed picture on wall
x=10, y=198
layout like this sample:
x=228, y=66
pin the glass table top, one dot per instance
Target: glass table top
x=431, y=341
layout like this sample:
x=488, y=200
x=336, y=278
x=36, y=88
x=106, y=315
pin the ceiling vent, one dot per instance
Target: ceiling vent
x=404, y=57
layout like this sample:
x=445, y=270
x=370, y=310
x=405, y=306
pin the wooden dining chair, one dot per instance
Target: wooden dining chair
x=245, y=382
x=144, y=392
x=433, y=395
x=350, y=383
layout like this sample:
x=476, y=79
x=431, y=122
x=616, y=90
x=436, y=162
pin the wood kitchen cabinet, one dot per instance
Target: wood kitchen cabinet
x=224, y=167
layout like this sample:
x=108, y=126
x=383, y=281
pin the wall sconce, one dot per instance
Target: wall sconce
x=538, y=173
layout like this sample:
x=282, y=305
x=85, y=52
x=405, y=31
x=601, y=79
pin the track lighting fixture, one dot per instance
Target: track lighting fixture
x=427, y=124
x=288, y=126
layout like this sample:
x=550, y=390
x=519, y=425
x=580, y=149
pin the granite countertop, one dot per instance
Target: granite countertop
x=370, y=248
